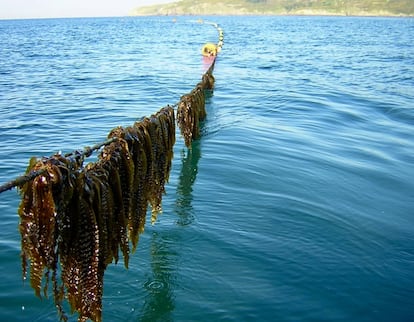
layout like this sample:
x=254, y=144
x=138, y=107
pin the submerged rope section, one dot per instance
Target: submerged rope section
x=75, y=218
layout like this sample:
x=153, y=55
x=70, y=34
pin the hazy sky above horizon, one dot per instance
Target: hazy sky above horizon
x=16, y=9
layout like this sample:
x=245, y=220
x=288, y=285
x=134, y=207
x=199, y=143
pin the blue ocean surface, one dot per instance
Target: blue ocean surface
x=297, y=203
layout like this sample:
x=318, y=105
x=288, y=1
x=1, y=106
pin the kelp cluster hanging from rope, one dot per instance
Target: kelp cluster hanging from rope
x=83, y=215
x=75, y=218
x=191, y=108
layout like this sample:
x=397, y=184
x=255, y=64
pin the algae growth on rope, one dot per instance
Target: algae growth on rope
x=75, y=218
x=81, y=216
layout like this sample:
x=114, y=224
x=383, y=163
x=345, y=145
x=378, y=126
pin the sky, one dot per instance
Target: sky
x=21, y=9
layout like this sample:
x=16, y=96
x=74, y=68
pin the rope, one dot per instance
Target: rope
x=75, y=219
x=21, y=180
x=87, y=152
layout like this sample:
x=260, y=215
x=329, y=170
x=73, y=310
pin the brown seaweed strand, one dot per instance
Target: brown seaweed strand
x=26, y=217
x=160, y=150
x=208, y=81
x=146, y=139
x=126, y=172
x=164, y=138
x=87, y=256
x=37, y=224
x=80, y=261
x=68, y=246
x=167, y=121
x=104, y=210
x=126, y=167
x=66, y=227
x=157, y=184
x=67, y=200
x=164, y=118
x=131, y=137
x=144, y=160
x=111, y=156
x=171, y=120
x=184, y=119
x=191, y=111
x=197, y=115
x=139, y=201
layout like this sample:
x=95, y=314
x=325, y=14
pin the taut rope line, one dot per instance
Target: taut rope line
x=87, y=152
x=21, y=180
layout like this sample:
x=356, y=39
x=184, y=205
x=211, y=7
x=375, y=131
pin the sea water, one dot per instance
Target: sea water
x=297, y=203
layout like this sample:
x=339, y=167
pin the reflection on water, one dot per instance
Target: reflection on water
x=189, y=170
x=159, y=301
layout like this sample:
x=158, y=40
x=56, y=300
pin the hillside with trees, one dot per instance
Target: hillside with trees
x=281, y=7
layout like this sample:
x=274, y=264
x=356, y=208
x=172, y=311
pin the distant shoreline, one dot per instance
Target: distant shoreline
x=343, y=8
x=367, y=15
x=222, y=15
